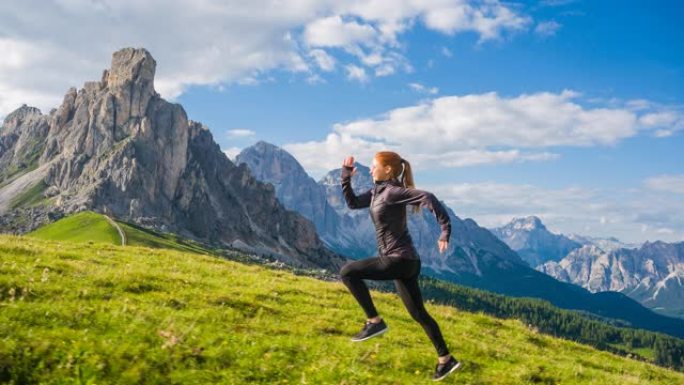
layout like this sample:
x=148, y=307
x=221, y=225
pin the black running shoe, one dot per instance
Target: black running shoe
x=443, y=370
x=370, y=330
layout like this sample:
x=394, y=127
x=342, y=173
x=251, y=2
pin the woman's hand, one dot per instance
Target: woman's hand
x=349, y=162
x=442, y=245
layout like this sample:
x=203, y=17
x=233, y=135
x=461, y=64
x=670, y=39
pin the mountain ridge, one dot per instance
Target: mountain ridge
x=116, y=147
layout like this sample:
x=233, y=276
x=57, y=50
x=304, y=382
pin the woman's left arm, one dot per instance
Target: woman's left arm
x=412, y=196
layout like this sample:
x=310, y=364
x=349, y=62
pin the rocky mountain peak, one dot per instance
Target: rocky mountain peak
x=283, y=167
x=23, y=112
x=529, y=223
x=18, y=117
x=115, y=146
x=263, y=145
x=533, y=241
x=131, y=66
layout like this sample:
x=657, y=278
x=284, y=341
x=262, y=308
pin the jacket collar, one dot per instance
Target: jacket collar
x=393, y=181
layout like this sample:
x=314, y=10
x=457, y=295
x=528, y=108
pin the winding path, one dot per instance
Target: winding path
x=118, y=228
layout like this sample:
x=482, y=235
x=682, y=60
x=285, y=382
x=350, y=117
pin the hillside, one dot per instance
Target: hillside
x=109, y=314
x=89, y=226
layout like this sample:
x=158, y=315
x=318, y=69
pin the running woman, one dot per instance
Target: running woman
x=397, y=258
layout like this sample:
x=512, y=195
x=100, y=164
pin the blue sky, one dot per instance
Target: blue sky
x=569, y=110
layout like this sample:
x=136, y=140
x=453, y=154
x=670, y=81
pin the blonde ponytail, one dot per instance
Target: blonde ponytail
x=407, y=180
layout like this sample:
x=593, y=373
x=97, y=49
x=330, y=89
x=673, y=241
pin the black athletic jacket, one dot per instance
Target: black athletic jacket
x=387, y=201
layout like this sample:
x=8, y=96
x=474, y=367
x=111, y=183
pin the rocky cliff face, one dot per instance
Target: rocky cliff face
x=652, y=274
x=293, y=186
x=534, y=242
x=115, y=146
x=605, y=244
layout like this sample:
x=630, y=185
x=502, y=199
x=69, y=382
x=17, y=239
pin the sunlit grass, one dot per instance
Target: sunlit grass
x=106, y=314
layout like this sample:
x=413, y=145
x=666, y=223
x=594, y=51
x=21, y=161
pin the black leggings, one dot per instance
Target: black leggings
x=405, y=274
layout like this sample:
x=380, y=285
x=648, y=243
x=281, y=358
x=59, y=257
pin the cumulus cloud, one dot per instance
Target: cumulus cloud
x=666, y=122
x=334, y=32
x=324, y=61
x=488, y=19
x=477, y=129
x=218, y=42
x=479, y=120
x=466, y=128
x=194, y=43
x=356, y=73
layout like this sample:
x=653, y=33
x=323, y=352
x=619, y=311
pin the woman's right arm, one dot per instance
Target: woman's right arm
x=353, y=201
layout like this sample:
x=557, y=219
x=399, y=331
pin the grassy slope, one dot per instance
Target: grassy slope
x=140, y=236
x=89, y=226
x=73, y=312
x=81, y=227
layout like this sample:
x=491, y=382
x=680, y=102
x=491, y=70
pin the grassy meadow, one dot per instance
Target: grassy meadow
x=97, y=313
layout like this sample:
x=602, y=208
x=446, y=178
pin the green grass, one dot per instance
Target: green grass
x=95, y=313
x=140, y=236
x=89, y=226
x=85, y=226
x=643, y=352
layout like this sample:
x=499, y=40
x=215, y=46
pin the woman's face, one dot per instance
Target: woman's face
x=378, y=172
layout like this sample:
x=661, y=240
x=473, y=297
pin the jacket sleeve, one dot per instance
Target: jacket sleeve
x=425, y=199
x=353, y=201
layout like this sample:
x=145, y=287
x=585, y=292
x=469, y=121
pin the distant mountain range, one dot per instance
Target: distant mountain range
x=475, y=258
x=652, y=274
x=351, y=232
x=533, y=242
x=116, y=147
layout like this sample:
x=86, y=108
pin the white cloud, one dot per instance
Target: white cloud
x=547, y=28
x=423, y=89
x=216, y=42
x=320, y=157
x=667, y=183
x=479, y=120
x=446, y=52
x=663, y=119
x=384, y=70
x=489, y=19
x=194, y=43
x=475, y=129
x=240, y=133
x=669, y=119
x=324, y=61
x=334, y=32
x=356, y=73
